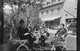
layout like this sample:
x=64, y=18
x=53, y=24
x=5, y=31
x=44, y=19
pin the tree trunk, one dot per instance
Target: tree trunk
x=2, y=23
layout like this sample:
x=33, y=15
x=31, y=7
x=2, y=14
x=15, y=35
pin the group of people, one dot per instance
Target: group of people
x=31, y=38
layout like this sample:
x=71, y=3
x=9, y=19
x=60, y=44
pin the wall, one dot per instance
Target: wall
x=56, y=11
x=52, y=2
x=71, y=7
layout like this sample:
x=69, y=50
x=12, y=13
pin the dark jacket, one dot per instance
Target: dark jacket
x=61, y=31
x=22, y=31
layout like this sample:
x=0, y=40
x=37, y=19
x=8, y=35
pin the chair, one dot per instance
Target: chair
x=23, y=43
x=58, y=43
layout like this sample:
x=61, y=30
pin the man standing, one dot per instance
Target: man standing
x=61, y=34
x=62, y=31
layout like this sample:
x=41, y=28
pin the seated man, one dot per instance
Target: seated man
x=22, y=30
x=22, y=34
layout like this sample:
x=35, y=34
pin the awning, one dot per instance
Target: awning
x=71, y=18
x=50, y=18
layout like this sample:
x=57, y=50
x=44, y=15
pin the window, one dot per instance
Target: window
x=66, y=14
x=47, y=11
x=75, y=8
x=43, y=4
x=52, y=10
x=38, y=0
x=48, y=3
x=53, y=1
x=42, y=0
x=58, y=0
x=42, y=12
x=58, y=9
x=51, y=22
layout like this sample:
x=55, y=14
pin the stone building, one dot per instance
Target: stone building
x=69, y=14
x=51, y=12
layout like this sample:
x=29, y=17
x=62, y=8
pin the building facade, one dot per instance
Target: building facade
x=50, y=14
x=69, y=13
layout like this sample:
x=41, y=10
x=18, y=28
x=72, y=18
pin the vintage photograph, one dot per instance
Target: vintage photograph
x=39, y=25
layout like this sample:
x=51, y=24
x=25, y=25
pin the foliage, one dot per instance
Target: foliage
x=11, y=20
x=34, y=15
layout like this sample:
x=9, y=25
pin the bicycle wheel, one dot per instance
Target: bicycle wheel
x=22, y=49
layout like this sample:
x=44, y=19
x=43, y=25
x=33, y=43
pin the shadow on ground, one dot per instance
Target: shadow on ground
x=8, y=47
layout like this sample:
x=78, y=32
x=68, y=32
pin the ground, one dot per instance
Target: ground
x=70, y=44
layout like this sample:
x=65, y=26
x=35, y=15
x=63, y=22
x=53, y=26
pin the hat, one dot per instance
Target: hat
x=21, y=21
